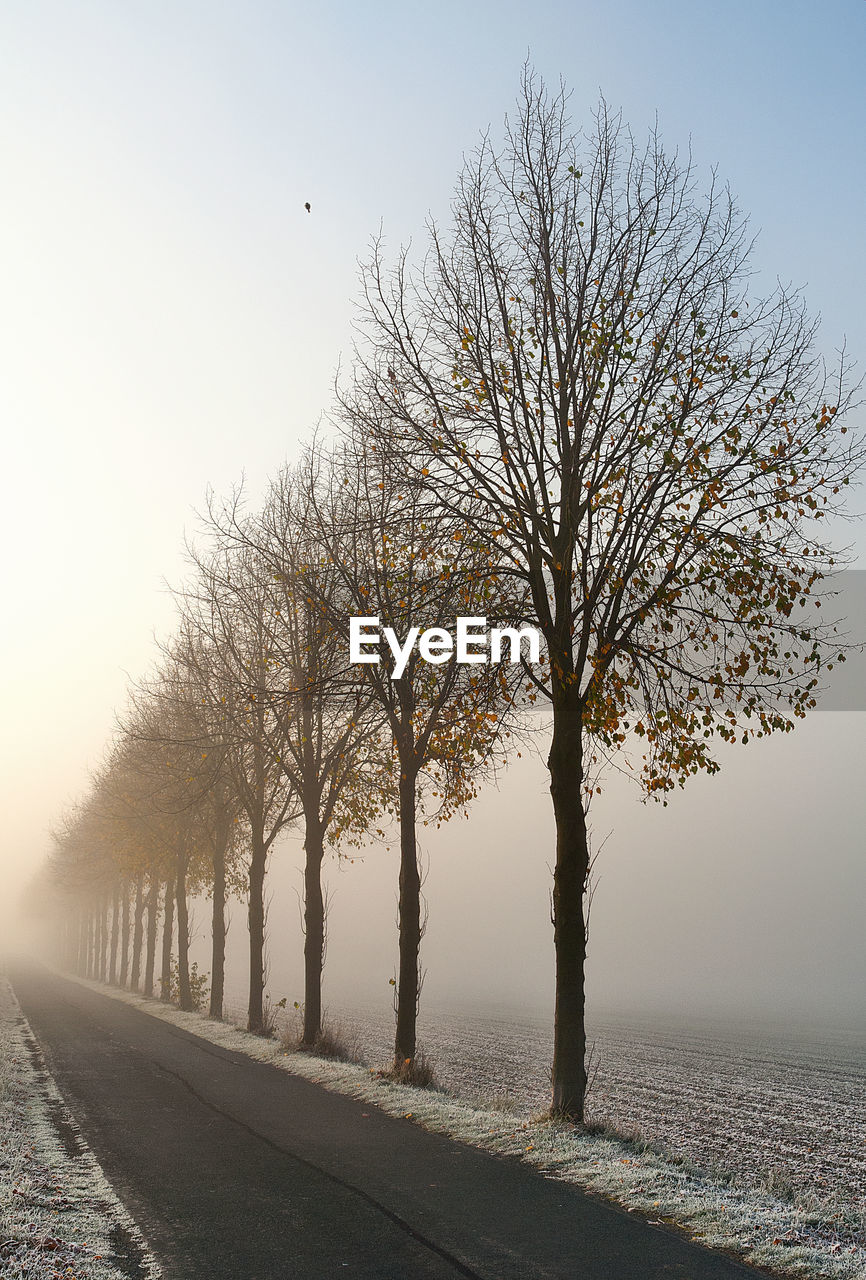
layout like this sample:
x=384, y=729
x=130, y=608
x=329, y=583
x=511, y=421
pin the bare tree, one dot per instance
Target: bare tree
x=325, y=722
x=580, y=367
x=225, y=624
x=83, y=867
x=151, y=793
x=182, y=717
x=404, y=563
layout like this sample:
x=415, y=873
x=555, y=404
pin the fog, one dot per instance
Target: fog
x=743, y=898
x=171, y=319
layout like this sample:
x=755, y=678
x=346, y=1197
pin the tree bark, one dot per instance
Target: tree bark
x=74, y=941
x=124, y=936
x=314, y=928
x=218, y=920
x=103, y=939
x=183, y=987
x=137, y=935
x=115, y=935
x=409, y=915
x=167, y=932
x=256, y=919
x=91, y=941
x=152, y=918
x=565, y=765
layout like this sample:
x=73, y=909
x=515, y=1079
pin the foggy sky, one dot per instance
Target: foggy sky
x=171, y=317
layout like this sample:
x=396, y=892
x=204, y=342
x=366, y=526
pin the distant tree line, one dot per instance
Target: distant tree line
x=572, y=415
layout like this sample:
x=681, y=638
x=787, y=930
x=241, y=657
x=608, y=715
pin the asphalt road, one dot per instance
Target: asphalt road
x=235, y=1170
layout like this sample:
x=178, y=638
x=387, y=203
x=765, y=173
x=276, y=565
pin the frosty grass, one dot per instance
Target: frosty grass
x=797, y=1237
x=59, y=1216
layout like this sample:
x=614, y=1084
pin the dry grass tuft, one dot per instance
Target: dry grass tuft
x=418, y=1072
x=333, y=1041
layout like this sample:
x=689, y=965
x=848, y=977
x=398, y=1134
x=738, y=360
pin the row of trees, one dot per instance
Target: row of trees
x=256, y=721
x=571, y=415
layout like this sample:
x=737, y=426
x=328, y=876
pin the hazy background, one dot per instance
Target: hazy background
x=170, y=317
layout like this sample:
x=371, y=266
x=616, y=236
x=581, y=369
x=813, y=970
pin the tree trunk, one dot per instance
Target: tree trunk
x=124, y=936
x=82, y=943
x=115, y=934
x=256, y=916
x=314, y=929
x=152, y=919
x=167, y=932
x=91, y=941
x=73, y=941
x=565, y=765
x=137, y=933
x=409, y=915
x=218, y=920
x=183, y=987
x=103, y=940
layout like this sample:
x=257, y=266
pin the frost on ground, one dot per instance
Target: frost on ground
x=58, y=1215
x=773, y=1108
x=777, y=1107
x=795, y=1236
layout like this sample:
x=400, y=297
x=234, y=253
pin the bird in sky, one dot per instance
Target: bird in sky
x=307, y=206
